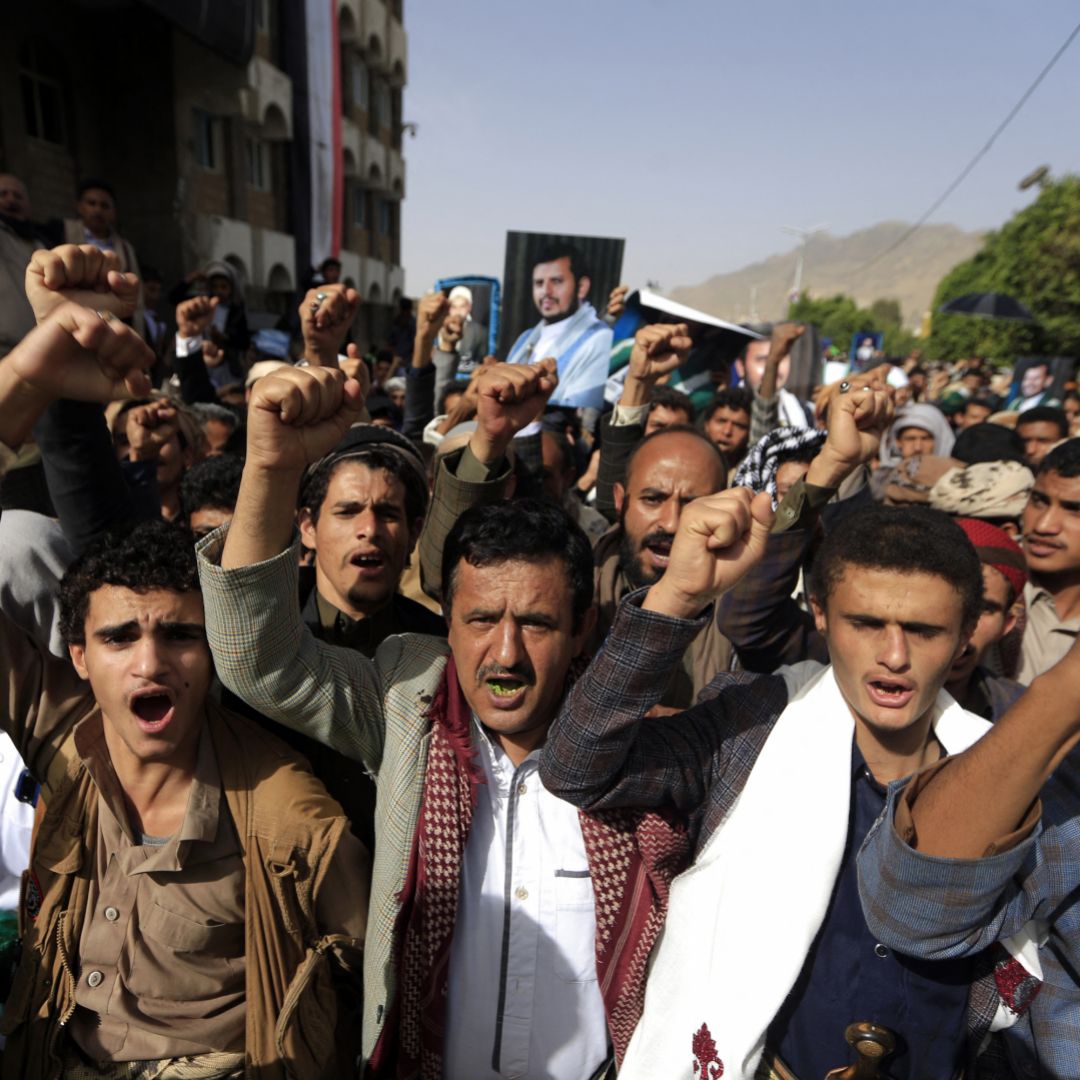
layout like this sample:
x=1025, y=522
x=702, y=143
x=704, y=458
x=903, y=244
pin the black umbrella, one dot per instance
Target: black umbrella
x=989, y=305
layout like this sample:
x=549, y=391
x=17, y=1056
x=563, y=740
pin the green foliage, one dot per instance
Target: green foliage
x=839, y=317
x=1034, y=258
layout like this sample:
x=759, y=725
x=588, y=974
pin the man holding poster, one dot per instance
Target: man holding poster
x=569, y=329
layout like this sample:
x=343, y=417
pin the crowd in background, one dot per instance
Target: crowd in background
x=507, y=721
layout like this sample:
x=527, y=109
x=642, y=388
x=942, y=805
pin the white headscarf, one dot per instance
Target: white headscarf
x=926, y=417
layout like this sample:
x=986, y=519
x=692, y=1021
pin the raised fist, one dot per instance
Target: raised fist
x=80, y=274
x=430, y=314
x=80, y=354
x=150, y=428
x=297, y=415
x=616, y=304
x=326, y=313
x=195, y=315
x=508, y=398
x=718, y=539
x=783, y=339
x=658, y=351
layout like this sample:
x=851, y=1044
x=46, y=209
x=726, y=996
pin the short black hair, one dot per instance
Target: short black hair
x=213, y=483
x=330, y=262
x=804, y=454
x=1064, y=460
x=313, y=492
x=552, y=252
x=737, y=398
x=904, y=540
x=1045, y=414
x=458, y=386
x=154, y=555
x=528, y=530
x=670, y=398
x=675, y=429
x=988, y=442
x=978, y=399
x=89, y=183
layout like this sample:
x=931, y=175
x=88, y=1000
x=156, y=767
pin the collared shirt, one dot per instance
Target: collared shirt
x=954, y=907
x=161, y=957
x=850, y=976
x=364, y=635
x=523, y=998
x=1047, y=637
x=106, y=244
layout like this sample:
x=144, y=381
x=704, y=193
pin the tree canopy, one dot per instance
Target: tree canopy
x=838, y=317
x=1034, y=258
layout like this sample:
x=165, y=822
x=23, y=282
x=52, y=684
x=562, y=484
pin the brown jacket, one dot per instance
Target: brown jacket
x=289, y=828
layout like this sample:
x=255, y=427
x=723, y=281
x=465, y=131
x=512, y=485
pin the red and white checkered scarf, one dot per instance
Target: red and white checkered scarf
x=632, y=857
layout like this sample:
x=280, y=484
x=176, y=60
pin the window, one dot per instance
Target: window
x=359, y=207
x=207, y=139
x=43, y=95
x=359, y=82
x=381, y=104
x=385, y=217
x=258, y=164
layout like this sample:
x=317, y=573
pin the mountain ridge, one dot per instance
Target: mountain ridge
x=834, y=264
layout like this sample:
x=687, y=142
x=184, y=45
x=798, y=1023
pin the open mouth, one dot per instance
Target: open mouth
x=371, y=561
x=505, y=686
x=890, y=693
x=659, y=551
x=153, y=710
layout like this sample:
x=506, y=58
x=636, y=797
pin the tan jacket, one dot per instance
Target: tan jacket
x=289, y=828
x=75, y=233
x=16, y=315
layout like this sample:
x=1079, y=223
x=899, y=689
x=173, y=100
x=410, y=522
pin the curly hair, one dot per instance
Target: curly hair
x=154, y=555
x=214, y=482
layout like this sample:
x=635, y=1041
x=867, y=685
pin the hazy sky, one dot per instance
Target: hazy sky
x=695, y=128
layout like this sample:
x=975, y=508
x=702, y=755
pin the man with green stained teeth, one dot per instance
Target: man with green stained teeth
x=503, y=922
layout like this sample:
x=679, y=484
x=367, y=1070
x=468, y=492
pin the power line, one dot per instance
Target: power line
x=966, y=171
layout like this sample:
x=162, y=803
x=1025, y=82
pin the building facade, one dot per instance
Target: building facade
x=199, y=116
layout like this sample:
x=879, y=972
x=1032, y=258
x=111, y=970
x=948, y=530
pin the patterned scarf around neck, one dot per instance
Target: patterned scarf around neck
x=633, y=857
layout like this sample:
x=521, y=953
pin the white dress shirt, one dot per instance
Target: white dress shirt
x=523, y=1000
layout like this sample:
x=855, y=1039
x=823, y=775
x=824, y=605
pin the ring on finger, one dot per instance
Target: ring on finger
x=320, y=296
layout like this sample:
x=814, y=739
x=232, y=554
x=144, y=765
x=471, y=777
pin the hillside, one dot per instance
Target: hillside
x=910, y=274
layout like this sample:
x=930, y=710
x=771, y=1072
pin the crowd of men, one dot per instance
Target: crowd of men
x=414, y=714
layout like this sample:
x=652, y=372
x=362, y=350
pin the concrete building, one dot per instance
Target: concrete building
x=197, y=114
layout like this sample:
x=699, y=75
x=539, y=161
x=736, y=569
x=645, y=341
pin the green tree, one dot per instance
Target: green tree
x=839, y=317
x=1034, y=258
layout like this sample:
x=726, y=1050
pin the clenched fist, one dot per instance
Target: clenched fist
x=326, y=313
x=719, y=538
x=81, y=274
x=297, y=415
x=508, y=398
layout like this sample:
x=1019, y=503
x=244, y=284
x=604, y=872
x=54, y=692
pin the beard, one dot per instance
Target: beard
x=572, y=310
x=630, y=564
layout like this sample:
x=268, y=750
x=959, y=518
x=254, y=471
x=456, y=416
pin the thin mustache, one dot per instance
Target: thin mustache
x=497, y=671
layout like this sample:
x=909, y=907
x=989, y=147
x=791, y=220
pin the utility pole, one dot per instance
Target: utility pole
x=804, y=235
